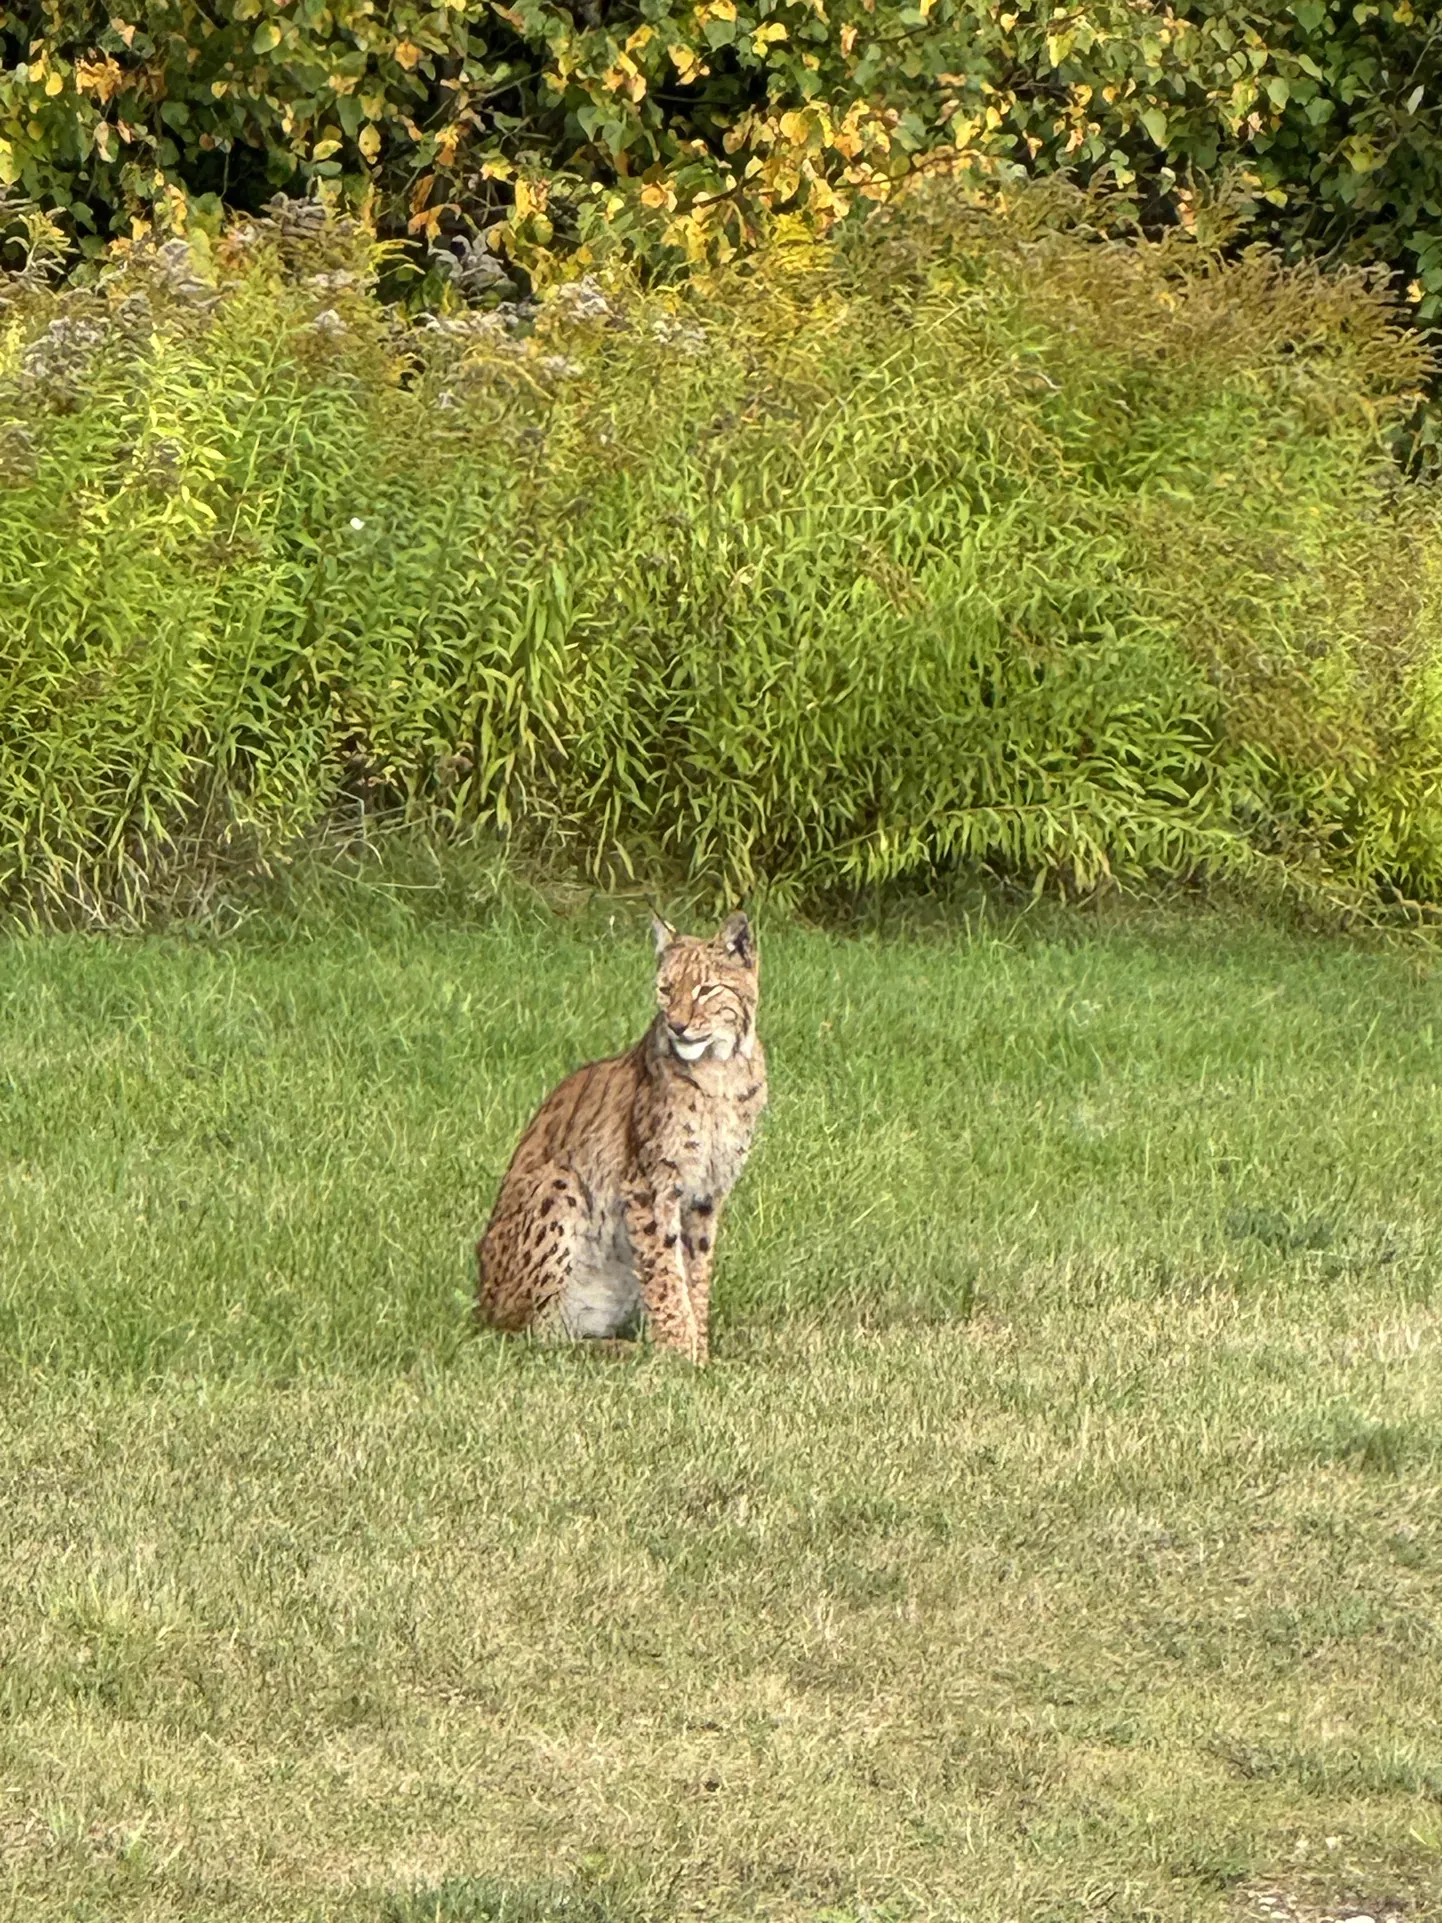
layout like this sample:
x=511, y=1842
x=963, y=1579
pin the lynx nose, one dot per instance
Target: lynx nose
x=679, y=1029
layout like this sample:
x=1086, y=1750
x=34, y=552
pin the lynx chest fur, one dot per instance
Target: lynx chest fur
x=609, y=1211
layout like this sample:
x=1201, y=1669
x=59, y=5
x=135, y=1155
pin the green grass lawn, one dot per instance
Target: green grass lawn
x=1056, y=1536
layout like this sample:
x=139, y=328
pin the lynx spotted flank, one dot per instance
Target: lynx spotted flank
x=609, y=1211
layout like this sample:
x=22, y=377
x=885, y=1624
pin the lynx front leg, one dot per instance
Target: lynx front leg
x=698, y=1244
x=654, y=1226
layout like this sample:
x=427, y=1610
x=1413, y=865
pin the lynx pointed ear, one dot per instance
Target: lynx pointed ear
x=662, y=933
x=736, y=938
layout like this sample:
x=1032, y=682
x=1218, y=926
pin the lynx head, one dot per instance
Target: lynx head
x=707, y=990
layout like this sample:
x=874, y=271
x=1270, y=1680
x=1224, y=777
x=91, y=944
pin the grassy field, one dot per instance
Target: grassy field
x=1056, y=1536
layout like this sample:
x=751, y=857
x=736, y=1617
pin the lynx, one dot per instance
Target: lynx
x=609, y=1210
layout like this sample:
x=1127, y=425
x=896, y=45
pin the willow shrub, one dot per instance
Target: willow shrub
x=971, y=538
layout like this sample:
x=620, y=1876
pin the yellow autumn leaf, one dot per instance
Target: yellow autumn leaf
x=369, y=142
x=769, y=32
x=323, y=149
x=625, y=77
x=640, y=38
x=688, y=64
x=848, y=38
x=103, y=78
x=531, y=197
x=407, y=54
x=54, y=84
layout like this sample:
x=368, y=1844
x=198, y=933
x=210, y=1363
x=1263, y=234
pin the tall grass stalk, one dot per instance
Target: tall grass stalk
x=969, y=540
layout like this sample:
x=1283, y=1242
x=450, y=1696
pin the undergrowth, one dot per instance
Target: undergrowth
x=971, y=539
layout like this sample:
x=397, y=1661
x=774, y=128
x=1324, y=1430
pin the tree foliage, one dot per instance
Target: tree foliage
x=682, y=127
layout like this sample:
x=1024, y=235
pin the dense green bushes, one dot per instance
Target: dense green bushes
x=1058, y=555
x=682, y=125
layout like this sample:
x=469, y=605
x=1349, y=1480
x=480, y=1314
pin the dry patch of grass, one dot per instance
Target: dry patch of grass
x=1103, y=1618
x=1274, y=1905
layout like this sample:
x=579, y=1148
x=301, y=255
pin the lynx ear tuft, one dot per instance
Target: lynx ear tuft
x=736, y=938
x=662, y=933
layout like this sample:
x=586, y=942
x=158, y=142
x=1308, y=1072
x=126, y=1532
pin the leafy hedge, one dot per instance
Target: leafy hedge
x=965, y=537
x=682, y=128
